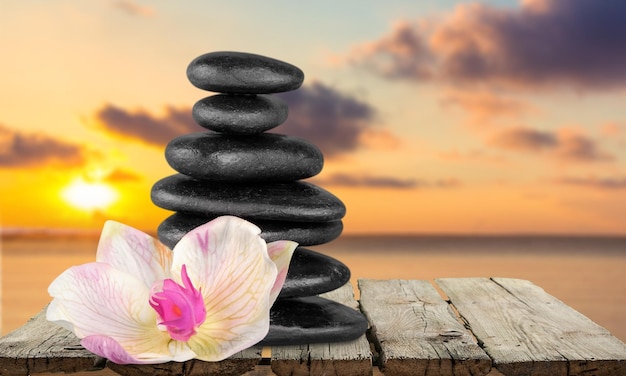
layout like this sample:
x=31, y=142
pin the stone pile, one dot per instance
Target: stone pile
x=236, y=168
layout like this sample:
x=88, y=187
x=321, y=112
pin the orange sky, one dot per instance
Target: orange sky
x=505, y=117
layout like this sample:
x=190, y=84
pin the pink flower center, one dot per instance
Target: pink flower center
x=180, y=308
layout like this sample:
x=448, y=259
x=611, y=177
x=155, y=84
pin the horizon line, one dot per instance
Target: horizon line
x=51, y=232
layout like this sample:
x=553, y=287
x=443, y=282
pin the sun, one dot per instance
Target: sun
x=89, y=195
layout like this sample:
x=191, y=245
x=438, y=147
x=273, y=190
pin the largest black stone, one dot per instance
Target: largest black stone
x=290, y=201
x=313, y=320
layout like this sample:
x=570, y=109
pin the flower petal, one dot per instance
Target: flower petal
x=109, y=348
x=280, y=252
x=228, y=261
x=134, y=252
x=96, y=299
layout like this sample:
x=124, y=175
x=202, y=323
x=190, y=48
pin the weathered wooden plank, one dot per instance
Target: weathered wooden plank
x=352, y=358
x=416, y=332
x=529, y=332
x=236, y=365
x=42, y=346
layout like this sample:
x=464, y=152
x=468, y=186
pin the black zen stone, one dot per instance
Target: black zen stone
x=240, y=114
x=313, y=319
x=243, y=73
x=292, y=201
x=173, y=228
x=264, y=157
x=312, y=273
x=304, y=233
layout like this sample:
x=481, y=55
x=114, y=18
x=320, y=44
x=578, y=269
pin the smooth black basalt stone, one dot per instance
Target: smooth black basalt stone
x=312, y=273
x=244, y=73
x=264, y=157
x=240, y=114
x=313, y=320
x=304, y=233
x=292, y=201
x=173, y=228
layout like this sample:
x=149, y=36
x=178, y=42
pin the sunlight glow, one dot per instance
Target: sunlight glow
x=89, y=195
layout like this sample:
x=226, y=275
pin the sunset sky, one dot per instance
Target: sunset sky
x=433, y=116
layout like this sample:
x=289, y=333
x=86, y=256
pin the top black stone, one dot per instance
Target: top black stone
x=243, y=73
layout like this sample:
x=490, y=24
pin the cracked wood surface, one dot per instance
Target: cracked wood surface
x=416, y=332
x=41, y=346
x=529, y=332
x=476, y=326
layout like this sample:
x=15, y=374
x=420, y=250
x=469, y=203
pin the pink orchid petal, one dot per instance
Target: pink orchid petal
x=134, y=252
x=99, y=300
x=109, y=348
x=228, y=261
x=280, y=252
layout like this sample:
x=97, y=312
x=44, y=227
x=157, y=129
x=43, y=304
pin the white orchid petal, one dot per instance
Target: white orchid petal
x=109, y=348
x=99, y=300
x=213, y=342
x=55, y=312
x=134, y=252
x=180, y=351
x=280, y=252
x=228, y=261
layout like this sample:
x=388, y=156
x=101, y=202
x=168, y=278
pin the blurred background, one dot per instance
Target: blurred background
x=449, y=119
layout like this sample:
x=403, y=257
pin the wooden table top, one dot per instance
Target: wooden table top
x=450, y=326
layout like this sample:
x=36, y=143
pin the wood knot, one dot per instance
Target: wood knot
x=451, y=333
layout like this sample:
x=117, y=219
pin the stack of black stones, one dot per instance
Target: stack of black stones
x=236, y=168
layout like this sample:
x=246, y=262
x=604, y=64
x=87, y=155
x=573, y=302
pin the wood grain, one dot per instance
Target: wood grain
x=529, y=332
x=42, y=346
x=416, y=332
x=352, y=358
x=484, y=326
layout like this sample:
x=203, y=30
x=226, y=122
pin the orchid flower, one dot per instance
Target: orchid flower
x=142, y=303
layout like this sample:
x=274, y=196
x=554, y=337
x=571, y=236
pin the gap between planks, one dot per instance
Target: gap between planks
x=488, y=326
x=526, y=331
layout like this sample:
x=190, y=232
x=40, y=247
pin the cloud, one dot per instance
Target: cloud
x=483, y=107
x=134, y=9
x=354, y=181
x=335, y=122
x=122, y=176
x=577, y=43
x=346, y=180
x=21, y=149
x=576, y=146
x=446, y=183
x=525, y=139
x=613, y=129
x=592, y=182
x=145, y=127
x=478, y=156
x=381, y=139
x=401, y=54
x=565, y=144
